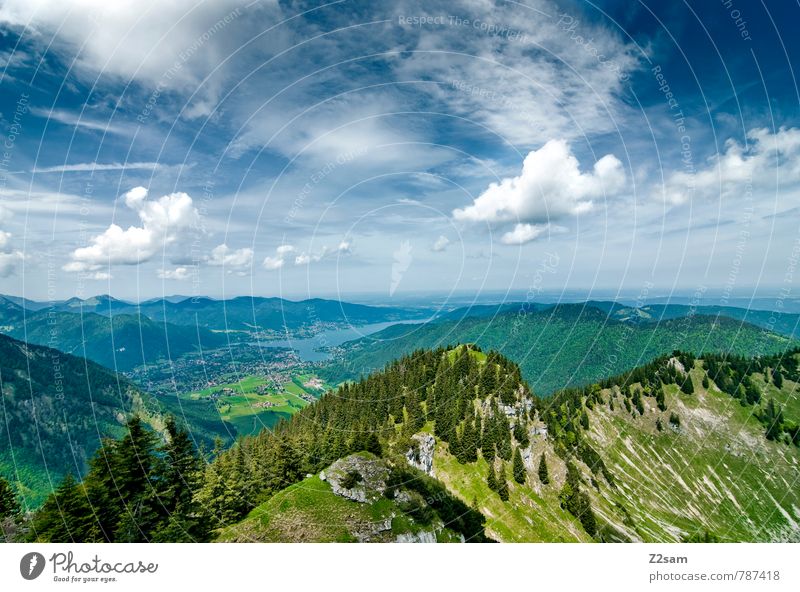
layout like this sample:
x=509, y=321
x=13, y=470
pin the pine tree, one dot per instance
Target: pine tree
x=66, y=516
x=519, y=468
x=9, y=506
x=502, y=484
x=521, y=431
x=469, y=442
x=491, y=478
x=133, y=468
x=772, y=417
x=777, y=378
x=687, y=386
x=416, y=417
x=706, y=383
x=637, y=401
x=660, y=400
x=488, y=381
x=178, y=479
x=544, y=475
x=487, y=441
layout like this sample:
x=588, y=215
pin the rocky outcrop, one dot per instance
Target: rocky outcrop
x=357, y=478
x=420, y=455
x=375, y=532
x=676, y=363
x=424, y=536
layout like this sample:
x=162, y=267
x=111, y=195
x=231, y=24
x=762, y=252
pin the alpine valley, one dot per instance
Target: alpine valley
x=579, y=422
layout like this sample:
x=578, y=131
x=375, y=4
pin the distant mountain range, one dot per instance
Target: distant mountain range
x=120, y=341
x=785, y=323
x=121, y=335
x=243, y=313
x=558, y=346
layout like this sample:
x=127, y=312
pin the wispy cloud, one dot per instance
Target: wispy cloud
x=97, y=166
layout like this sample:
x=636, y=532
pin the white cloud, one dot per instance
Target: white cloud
x=164, y=222
x=550, y=186
x=342, y=248
x=440, y=244
x=222, y=255
x=96, y=166
x=98, y=275
x=278, y=261
x=9, y=261
x=525, y=233
x=768, y=159
x=560, y=75
x=179, y=274
x=79, y=120
x=9, y=257
x=130, y=39
x=283, y=253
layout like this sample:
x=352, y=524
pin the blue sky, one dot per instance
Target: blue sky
x=297, y=149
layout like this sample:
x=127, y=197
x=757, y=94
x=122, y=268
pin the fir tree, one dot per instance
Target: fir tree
x=488, y=381
x=178, y=480
x=487, y=441
x=687, y=386
x=544, y=475
x=772, y=417
x=520, y=474
x=66, y=516
x=9, y=506
x=491, y=478
x=660, y=400
x=777, y=378
x=502, y=484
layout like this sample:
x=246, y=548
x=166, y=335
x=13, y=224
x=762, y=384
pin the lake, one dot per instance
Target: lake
x=308, y=349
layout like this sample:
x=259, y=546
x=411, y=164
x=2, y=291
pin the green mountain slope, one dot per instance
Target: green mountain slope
x=120, y=342
x=55, y=409
x=383, y=504
x=560, y=346
x=451, y=445
x=678, y=449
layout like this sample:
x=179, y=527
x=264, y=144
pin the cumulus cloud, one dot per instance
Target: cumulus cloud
x=525, y=233
x=342, y=248
x=179, y=273
x=766, y=159
x=9, y=257
x=164, y=222
x=284, y=252
x=223, y=255
x=440, y=244
x=550, y=186
x=279, y=259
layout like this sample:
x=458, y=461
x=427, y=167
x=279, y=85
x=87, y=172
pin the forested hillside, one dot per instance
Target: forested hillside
x=561, y=346
x=451, y=444
x=55, y=409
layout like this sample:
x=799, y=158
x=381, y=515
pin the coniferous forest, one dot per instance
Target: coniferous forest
x=157, y=486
